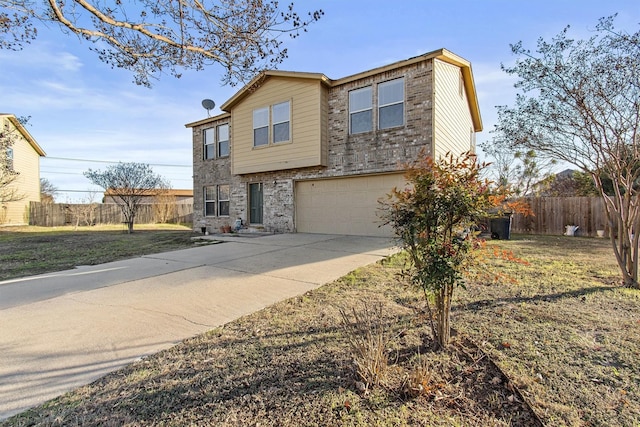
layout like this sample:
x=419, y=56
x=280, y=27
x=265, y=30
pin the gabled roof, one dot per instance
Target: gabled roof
x=440, y=54
x=259, y=80
x=23, y=131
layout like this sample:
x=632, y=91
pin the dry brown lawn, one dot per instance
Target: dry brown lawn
x=558, y=347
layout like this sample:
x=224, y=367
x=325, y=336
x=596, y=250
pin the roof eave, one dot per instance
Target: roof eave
x=26, y=135
x=469, y=85
x=208, y=120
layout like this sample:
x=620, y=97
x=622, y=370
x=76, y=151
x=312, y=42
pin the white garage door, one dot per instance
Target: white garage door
x=343, y=205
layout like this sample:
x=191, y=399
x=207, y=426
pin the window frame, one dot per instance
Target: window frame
x=271, y=124
x=221, y=200
x=209, y=144
x=391, y=104
x=353, y=112
x=265, y=126
x=209, y=202
x=219, y=141
x=274, y=123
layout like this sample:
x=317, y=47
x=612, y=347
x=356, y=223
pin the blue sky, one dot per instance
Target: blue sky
x=84, y=111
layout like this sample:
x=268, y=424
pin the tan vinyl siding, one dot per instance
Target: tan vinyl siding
x=307, y=134
x=453, y=123
x=26, y=161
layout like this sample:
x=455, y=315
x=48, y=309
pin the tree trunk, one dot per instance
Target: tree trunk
x=623, y=218
x=443, y=301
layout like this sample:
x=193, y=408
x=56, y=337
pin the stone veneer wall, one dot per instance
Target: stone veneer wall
x=373, y=152
x=208, y=172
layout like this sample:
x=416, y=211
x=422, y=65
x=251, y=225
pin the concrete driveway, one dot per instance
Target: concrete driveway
x=62, y=330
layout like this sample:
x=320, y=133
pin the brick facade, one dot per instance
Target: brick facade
x=381, y=150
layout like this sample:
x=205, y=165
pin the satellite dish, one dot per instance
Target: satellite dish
x=208, y=105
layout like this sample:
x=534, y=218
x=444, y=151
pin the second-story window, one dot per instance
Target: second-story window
x=272, y=125
x=261, y=127
x=281, y=122
x=391, y=104
x=360, y=110
x=209, y=143
x=223, y=140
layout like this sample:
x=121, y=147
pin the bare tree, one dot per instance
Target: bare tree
x=84, y=211
x=48, y=191
x=580, y=103
x=165, y=207
x=570, y=183
x=129, y=184
x=9, y=191
x=519, y=171
x=151, y=36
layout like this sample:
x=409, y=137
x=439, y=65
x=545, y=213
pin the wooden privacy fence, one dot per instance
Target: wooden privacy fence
x=553, y=214
x=59, y=214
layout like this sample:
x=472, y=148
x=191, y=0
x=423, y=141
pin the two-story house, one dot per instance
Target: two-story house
x=299, y=152
x=22, y=156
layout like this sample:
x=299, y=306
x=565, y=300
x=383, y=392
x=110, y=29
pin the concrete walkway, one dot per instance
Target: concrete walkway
x=62, y=330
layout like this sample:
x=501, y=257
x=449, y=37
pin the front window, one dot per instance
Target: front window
x=209, y=143
x=210, y=201
x=223, y=140
x=260, y=127
x=360, y=110
x=281, y=122
x=391, y=104
x=223, y=200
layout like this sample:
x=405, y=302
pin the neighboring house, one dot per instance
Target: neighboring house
x=299, y=152
x=24, y=157
x=180, y=196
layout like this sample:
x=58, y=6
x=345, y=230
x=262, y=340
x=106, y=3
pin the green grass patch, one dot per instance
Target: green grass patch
x=28, y=251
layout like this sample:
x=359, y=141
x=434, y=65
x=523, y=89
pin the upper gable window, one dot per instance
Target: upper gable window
x=391, y=104
x=209, y=151
x=260, y=127
x=223, y=140
x=272, y=125
x=360, y=110
x=281, y=122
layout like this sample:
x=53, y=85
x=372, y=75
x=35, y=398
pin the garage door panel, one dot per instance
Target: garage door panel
x=343, y=205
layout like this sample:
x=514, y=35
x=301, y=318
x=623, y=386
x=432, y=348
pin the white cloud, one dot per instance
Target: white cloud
x=43, y=55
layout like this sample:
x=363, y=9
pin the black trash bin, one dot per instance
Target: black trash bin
x=501, y=227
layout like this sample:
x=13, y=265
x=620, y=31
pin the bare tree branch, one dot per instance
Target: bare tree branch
x=150, y=37
x=9, y=190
